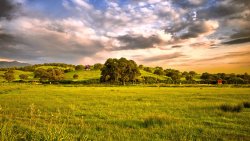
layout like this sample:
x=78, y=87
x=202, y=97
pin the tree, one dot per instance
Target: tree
x=159, y=72
x=41, y=74
x=98, y=66
x=185, y=73
x=75, y=76
x=141, y=66
x=23, y=76
x=175, y=75
x=192, y=73
x=55, y=74
x=79, y=67
x=121, y=70
x=49, y=74
x=9, y=76
x=147, y=69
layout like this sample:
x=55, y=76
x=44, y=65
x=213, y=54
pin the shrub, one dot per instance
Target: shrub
x=23, y=76
x=231, y=108
x=75, y=76
x=246, y=104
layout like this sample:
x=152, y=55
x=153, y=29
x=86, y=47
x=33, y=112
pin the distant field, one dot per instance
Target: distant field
x=50, y=112
x=84, y=75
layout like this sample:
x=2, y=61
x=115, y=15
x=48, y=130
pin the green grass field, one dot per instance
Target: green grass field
x=84, y=75
x=62, y=112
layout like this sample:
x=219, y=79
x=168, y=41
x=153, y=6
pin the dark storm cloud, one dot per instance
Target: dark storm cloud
x=7, y=8
x=164, y=57
x=138, y=42
x=237, y=41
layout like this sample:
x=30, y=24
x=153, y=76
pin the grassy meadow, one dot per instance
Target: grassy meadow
x=64, y=112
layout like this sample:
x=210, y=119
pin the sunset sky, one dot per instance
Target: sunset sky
x=200, y=35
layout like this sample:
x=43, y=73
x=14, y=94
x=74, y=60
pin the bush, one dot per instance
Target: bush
x=75, y=76
x=246, y=104
x=231, y=108
x=23, y=76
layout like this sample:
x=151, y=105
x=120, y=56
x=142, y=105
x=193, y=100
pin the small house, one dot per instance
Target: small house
x=219, y=81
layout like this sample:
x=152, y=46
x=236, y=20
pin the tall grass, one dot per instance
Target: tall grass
x=56, y=112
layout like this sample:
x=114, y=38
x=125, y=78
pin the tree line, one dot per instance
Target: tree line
x=122, y=71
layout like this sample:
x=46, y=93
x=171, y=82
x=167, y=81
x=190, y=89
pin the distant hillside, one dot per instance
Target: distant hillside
x=5, y=64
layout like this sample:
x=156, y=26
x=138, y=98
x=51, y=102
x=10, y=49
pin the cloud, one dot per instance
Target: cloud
x=43, y=43
x=127, y=42
x=163, y=57
x=228, y=55
x=7, y=8
x=177, y=46
x=200, y=28
x=218, y=11
x=237, y=41
x=204, y=44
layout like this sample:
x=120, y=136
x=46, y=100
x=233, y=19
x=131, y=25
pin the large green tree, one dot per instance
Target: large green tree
x=49, y=74
x=175, y=75
x=119, y=70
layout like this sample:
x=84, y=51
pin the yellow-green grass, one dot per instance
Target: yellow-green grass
x=57, y=112
x=145, y=73
x=84, y=74
x=1, y=78
x=19, y=72
x=16, y=75
x=51, y=67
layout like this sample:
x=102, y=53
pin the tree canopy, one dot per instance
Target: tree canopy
x=119, y=70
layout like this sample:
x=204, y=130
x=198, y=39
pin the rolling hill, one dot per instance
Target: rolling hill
x=6, y=64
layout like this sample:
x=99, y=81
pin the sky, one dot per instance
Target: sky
x=201, y=35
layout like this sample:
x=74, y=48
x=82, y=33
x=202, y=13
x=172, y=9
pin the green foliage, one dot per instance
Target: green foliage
x=79, y=67
x=23, y=76
x=159, y=72
x=231, y=108
x=54, y=74
x=9, y=75
x=68, y=70
x=98, y=66
x=121, y=70
x=75, y=76
x=149, y=79
x=175, y=75
x=141, y=66
x=148, y=69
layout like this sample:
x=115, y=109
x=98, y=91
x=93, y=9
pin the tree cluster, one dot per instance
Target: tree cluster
x=119, y=71
x=232, y=78
x=50, y=74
